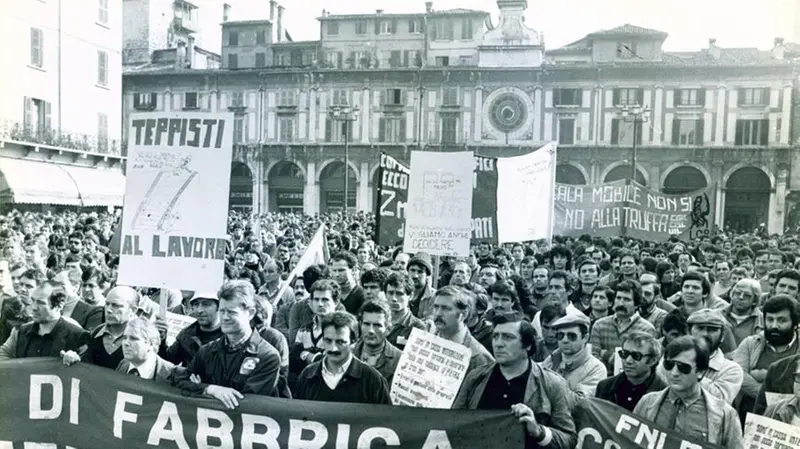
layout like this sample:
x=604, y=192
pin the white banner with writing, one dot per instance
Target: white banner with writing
x=766, y=433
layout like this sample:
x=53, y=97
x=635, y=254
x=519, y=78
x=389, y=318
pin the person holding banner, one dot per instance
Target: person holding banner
x=684, y=405
x=534, y=394
x=451, y=308
x=787, y=410
x=205, y=309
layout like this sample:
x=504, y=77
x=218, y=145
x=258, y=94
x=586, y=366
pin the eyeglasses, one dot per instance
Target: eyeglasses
x=684, y=368
x=637, y=356
x=572, y=336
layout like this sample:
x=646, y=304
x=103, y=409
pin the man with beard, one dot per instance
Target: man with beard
x=420, y=270
x=650, y=307
x=640, y=353
x=588, y=275
x=757, y=352
x=398, y=288
x=206, y=328
x=608, y=332
x=373, y=348
x=723, y=378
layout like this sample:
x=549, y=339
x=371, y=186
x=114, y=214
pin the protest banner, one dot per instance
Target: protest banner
x=430, y=371
x=175, y=324
x=484, y=201
x=618, y=208
x=602, y=424
x=766, y=433
x=525, y=195
x=439, y=204
x=174, y=225
x=89, y=407
x=392, y=195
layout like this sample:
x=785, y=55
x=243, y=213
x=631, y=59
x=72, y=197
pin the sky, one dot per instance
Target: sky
x=690, y=23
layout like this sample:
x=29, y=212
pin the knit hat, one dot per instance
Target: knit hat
x=421, y=260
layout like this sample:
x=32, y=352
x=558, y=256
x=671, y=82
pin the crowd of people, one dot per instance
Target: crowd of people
x=691, y=335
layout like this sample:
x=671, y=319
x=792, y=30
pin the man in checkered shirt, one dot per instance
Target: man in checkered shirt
x=608, y=332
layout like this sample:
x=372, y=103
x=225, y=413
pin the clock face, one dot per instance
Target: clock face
x=507, y=111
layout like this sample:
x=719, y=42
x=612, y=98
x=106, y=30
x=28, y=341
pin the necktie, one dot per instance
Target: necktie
x=672, y=418
x=134, y=372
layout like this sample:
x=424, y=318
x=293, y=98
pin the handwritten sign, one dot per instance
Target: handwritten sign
x=392, y=197
x=430, y=371
x=766, y=433
x=616, y=208
x=439, y=210
x=175, y=324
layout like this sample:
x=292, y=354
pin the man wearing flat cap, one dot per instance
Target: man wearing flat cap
x=724, y=377
x=573, y=360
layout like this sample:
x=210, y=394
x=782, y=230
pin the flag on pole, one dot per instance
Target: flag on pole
x=316, y=253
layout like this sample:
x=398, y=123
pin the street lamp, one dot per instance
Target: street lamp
x=637, y=115
x=345, y=114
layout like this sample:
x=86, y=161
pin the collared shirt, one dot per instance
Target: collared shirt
x=608, y=332
x=691, y=415
x=722, y=379
x=110, y=342
x=237, y=345
x=501, y=393
x=628, y=394
x=786, y=348
x=332, y=379
x=147, y=370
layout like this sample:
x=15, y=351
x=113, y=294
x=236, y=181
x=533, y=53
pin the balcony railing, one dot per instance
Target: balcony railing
x=60, y=139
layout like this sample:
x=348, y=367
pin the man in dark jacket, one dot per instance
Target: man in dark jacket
x=340, y=377
x=640, y=353
x=105, y=346
x=241, y=362
x=535, y=395
x=778, y=381
x=205, y=308
x=49, y=335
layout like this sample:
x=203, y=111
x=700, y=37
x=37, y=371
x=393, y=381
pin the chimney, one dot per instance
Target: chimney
x=272, y=11
x=279, y=26
x=180, y=55
x=226, y=12
x=190, y=52
x=778, y=49
x=428, y=7
x=378, y=11
x=713, y=50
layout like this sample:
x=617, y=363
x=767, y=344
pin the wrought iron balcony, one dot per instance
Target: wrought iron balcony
x=18, y=132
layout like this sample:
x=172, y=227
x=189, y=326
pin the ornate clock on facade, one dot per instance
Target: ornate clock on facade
x=507, y=112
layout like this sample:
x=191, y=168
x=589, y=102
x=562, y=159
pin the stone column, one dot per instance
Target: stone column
x=777, y=203
x=718, y=194
x=477, y=128
x=362, y=199
x=311, y=190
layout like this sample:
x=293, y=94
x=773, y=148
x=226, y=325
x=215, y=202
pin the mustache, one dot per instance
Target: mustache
x=620, y=309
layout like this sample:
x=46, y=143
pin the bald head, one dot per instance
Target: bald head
x=125, y=294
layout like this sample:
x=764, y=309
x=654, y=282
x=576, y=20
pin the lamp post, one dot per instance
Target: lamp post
x=637, y=115
x=345, y=114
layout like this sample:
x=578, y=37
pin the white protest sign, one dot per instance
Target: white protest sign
x=525, y=186
x=776, y=397
x=430, y=371
x=175, y=324
x=766, y=433
x=439, y=207
x=174, y=225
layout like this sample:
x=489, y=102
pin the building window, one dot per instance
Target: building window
x=287, y=97
x=237, y=99
x=361, y=27
x=336, y=130
x=464, y=60
x=261, y=59
x=687, y=132
x=449, y=125
x=102, y=68
x=443, y=31
x=282, y=59
x=415, y=58
x=690, y=97
x=392, y=97
x=37, y=48
x=37, y=116
x=102, y=12
x=386, y=27
x=753, y=96
x=752, y=132
x=340, y=97
x=626, y=50
x=238, y=128
x=391, y=129
x=102, y=132
x=144, y=102
x=261, y=37
x=450, y=96
x=622, y=133
x=233, y=61
x=442, y=61
x=191, y=100
x=628, y=97
x=286, y=129
x=233, y=38
x=333, y=28
x=466, y=30
x=334, y=59
x=414, y=26
x=396, y=58
x=566, y=131
x=567, y=97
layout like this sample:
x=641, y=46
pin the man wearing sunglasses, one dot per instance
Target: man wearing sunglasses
x=640, y=354
x=684, y=406
x=573, y=360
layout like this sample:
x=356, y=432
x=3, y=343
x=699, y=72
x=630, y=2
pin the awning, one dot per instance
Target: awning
x=37, y=182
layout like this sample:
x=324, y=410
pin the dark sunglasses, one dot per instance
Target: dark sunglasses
x=623, y=354
x=572, y=336
x=684, y=368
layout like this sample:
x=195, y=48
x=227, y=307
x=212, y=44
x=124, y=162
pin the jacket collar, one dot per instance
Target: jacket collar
x=389, y=353
x=355, y=369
